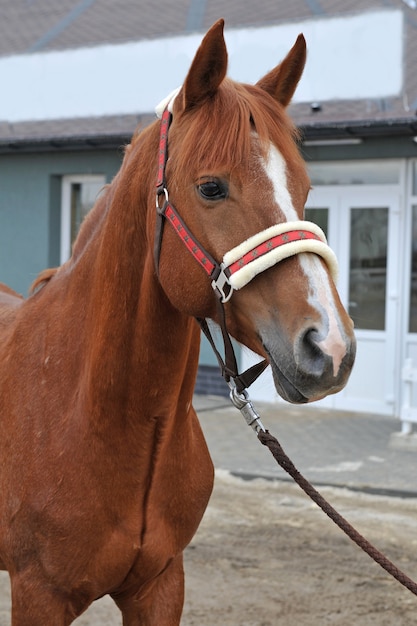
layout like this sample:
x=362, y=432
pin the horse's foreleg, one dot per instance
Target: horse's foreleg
x=37, y=603
x=159, y=603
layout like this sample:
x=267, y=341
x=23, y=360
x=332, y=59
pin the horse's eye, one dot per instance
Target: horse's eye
x=212, y=190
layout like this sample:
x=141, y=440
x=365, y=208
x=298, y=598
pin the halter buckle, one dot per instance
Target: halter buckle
x=219, y=284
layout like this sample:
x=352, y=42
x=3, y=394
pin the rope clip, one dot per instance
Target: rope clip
x=242, y=402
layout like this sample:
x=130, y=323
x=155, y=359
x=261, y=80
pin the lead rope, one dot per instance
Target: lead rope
x=242, y=402
x=282, y=459
x=240, y=399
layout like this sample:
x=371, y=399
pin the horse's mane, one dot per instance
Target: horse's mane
x=42, y=279
x=234, y=112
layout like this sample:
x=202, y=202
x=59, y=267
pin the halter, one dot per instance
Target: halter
x=240, y=265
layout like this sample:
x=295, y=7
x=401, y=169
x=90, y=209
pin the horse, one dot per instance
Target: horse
x=105, y=472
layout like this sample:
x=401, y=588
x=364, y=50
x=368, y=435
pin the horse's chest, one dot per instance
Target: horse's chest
x=169, y=523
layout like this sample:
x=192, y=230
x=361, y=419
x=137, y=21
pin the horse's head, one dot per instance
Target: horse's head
x=236, y=178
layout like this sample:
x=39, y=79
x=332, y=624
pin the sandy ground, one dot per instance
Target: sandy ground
x=265, y=556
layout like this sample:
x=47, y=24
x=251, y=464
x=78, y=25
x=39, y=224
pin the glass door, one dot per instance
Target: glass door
x=363, y=229
x=368, y=266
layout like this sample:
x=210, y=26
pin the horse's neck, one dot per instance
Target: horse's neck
x=137, y=344
x=143, y=351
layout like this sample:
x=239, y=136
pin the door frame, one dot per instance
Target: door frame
x=340, y=199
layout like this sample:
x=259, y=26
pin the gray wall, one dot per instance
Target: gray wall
x=30, y=208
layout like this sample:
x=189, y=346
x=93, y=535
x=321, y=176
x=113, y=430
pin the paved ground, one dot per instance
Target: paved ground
x=328, y=447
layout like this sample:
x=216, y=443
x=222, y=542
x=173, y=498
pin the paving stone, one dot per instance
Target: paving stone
x=340, y=448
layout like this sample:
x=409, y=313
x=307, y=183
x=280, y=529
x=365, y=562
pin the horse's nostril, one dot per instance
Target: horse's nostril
x=311, y=339
x=311, y=358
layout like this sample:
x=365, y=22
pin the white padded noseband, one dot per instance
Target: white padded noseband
x=271, y=246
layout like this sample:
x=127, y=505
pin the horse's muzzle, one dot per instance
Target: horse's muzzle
x=310, y=368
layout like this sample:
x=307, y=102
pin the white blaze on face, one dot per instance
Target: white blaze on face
x=321, y=298
x=320, y=292
x=276, y=170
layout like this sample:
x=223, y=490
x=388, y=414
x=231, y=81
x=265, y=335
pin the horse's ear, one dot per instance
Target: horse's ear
x=282, y=81
x=207, y=70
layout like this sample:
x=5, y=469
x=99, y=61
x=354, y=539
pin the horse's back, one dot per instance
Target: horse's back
x=10, y=302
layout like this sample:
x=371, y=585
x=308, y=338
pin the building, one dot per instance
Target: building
x=78, y=76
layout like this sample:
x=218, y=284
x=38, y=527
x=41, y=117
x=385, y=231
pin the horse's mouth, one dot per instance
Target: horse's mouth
x=284, y=386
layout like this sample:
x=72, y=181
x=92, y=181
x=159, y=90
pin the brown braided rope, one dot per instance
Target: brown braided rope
x=285, y=462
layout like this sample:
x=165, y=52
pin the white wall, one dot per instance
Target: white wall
x=349, y=57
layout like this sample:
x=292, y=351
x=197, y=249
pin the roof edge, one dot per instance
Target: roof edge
x=400, y=127
x=64, y=136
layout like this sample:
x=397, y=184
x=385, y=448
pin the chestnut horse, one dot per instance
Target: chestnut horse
x=105, y=473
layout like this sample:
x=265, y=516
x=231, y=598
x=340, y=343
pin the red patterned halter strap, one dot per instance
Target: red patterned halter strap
x=246, y=260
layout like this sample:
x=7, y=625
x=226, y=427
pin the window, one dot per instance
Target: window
x=415, y=178
x=368, y=267
x=412, y=319
x=319, y=217
x=382, y=172
x=412, y=326
x=79, y=194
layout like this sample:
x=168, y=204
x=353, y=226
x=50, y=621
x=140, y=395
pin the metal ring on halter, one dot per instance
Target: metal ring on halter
x=161, y=191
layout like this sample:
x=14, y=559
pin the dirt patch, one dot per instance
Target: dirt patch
x=265, y=556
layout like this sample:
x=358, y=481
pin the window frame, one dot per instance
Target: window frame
x=67, y=182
